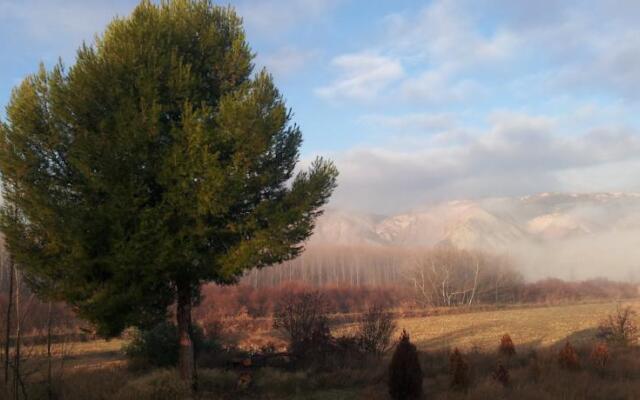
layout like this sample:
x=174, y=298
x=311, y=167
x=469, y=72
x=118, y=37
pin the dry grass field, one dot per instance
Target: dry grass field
x=95, y=354
x=539, y=326
x=479, y=330
x=98, y=370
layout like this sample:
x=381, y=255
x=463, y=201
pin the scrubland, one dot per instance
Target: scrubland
x=99, y=370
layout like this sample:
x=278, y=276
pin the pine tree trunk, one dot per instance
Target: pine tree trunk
x=186, y=361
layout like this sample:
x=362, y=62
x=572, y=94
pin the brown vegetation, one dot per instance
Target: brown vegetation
x=458, y=370
x=554, y=290
x=303, y=318
x=568, y=357
x=600, y=355
x=507, y=348
x=529, y=375
x=375, y=328
x=620, y=328
x=226, y=301
x=621, y=381
x=501, y=375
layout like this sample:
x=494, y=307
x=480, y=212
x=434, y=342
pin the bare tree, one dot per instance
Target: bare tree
x=375, y=327
x=452, y=277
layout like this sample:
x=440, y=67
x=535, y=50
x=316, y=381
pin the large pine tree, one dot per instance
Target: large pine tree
x=158, y=162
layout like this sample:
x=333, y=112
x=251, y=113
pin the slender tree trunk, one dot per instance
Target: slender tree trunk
x=475, y=283
x=7, y=335
x=183, y=315
x=49, y=378
x=17, y=356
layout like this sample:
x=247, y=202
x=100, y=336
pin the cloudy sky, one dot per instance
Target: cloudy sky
x=421, y=101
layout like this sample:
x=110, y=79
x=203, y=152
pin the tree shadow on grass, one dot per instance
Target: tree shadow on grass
x=445, y=340
x=582, y=337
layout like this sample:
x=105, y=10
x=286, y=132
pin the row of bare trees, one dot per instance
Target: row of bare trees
x=334, y=265
x=441, y=276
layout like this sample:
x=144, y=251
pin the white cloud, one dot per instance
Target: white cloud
x=450, y=50
x=362, y=76
x=444, y=33
x=437, y=87
x=273, y=17
x=518, y=154
x=416, y=122
x=437, y=47
x=286, y=61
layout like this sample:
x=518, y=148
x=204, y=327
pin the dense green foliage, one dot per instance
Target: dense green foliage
x=157, y=346
x=158, y=160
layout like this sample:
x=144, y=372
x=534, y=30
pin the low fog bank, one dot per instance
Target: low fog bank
x=614, y=255
x=566, y=236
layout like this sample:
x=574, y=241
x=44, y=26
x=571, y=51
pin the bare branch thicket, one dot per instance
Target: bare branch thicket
x=302, y=316
x=445, y=277
x=35, y=360
x=375, y=328
x=620, y=328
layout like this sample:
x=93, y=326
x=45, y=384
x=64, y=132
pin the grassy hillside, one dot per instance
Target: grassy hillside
x=539, y=326
x=97, y=370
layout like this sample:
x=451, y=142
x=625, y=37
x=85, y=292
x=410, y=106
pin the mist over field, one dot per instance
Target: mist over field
x=568, y=236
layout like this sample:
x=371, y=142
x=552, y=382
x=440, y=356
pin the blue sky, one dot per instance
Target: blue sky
x=421, y=101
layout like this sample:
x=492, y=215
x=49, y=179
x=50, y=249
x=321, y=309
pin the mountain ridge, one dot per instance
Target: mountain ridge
x=545, y=231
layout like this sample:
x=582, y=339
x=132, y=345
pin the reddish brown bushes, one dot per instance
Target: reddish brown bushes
x=600, y=356
x=302, y=317
x=226, y=301
x=554, y=290
x=568, y=358
x=507, y=348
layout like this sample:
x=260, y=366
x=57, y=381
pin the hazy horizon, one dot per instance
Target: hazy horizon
x=562, y=235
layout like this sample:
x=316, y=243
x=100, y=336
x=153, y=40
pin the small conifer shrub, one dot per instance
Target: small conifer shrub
x=568, y=358
x=458, y=370
x=405, y=373
x=501, y=375
x=535, y=370
x=507, y=347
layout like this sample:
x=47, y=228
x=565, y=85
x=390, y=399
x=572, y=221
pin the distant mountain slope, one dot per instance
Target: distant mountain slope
x=341, y=227
x=550, y=233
